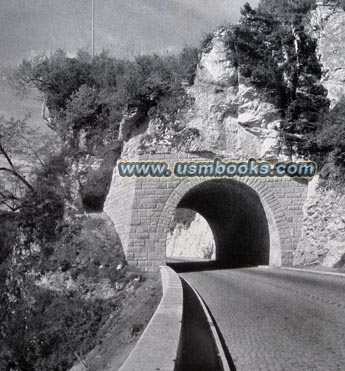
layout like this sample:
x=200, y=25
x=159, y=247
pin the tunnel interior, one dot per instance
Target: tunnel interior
x=237, y=219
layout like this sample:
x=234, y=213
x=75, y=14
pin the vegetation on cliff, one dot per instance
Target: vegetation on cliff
x=64, y=276
x=274, y=51
x=64, y=281
x=277, y=56
x=91, y=94
x=61, y=300
x=51, y=256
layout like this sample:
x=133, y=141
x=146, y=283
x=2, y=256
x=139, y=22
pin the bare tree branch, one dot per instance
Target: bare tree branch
x=5, y=154
x=9, y=206
x=18, y=176
x=9, y=195
x=34, y=152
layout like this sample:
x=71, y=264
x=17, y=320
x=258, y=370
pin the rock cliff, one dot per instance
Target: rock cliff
x=323, y=232
x=327, y=26
x=191, y=231
x=228, y=117
x=231, y=118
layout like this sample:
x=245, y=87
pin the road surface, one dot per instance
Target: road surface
x=275, y=319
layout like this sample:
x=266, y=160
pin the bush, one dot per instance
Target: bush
x=90, y=93
x=8, y=232
x=41, y=329
x=42, y=211
x=327, y=145
x=46, y=335
x=274, y=53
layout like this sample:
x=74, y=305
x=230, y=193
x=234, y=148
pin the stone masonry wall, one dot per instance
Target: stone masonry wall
x=119, y=205
x=143, y=208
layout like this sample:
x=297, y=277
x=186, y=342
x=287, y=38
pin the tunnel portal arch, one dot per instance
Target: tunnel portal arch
x=246, y=221
x=237, y=219
x=142, y=210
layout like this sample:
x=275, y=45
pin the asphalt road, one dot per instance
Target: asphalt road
x=277, y=320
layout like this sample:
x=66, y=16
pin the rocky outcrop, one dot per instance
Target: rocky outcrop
x=323, y=232
x=233, y=117
x=228, y=117
x=191, y=237
x=133, y=123
x=90, y=177
x=327, y=26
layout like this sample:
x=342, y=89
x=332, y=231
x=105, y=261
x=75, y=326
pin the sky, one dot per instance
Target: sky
x=124, y=27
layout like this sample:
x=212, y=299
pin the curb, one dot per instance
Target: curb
x=158, y=345
x=212, y=326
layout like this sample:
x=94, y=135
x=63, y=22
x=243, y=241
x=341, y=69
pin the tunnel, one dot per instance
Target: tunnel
x=237, y=219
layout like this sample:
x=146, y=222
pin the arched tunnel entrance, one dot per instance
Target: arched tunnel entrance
x=255, y=220
x=237, y=219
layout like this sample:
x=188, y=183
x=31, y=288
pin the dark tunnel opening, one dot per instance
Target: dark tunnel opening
x=237, y=218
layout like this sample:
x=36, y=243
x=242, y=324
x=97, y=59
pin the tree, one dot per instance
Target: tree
x=22, y=150
x=327, y=144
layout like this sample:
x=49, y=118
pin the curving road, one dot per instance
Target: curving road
x=276, y=319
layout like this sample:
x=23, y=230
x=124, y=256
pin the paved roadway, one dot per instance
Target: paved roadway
x=277, y=320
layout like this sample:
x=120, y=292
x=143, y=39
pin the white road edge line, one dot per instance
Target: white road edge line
x=212, y=326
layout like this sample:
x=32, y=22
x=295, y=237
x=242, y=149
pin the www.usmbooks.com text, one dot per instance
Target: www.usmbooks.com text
x=217, y=168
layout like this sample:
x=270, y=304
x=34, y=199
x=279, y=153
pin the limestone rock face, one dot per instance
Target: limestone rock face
x=233, y=118
x=192, y=239
x=90, y=178
x=327, y=25
x=323, y=233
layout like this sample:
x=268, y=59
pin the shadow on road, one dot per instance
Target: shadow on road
x=197, y=350
x=196, y=266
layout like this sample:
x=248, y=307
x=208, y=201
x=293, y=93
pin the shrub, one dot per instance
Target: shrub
x=46, y=335
x=327, y=145
x=274, y=53
x=42, y=211
x=90, y=93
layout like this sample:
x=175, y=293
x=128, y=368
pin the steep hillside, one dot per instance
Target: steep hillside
x=63, y=299
x=270, y=87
